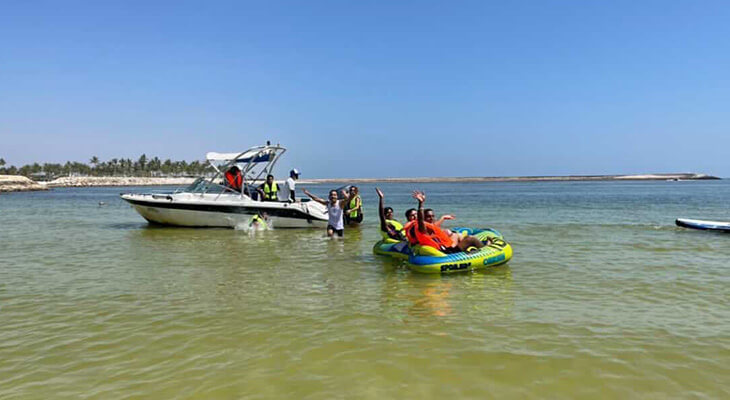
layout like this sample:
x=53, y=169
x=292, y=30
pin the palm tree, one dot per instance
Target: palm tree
x=94, y=162
x=142, y=163
x=167, y=167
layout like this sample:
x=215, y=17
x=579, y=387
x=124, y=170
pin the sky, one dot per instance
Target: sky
x=373, y=88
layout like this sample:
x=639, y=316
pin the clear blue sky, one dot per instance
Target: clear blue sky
x=371, y=88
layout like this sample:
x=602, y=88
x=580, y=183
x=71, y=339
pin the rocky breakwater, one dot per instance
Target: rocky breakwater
x=86, y=181
x=18, y=183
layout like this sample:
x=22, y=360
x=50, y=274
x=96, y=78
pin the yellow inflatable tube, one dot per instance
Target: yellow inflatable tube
x=428, y=260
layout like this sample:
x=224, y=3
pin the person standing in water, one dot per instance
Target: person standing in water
x=353, y=214
x=335, y=210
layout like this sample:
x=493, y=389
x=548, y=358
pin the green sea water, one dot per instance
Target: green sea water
x=604, y=298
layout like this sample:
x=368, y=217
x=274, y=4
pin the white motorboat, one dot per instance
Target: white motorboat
x=210, y=202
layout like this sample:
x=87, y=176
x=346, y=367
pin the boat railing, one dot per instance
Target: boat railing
x=251, y=173
x=255, y=164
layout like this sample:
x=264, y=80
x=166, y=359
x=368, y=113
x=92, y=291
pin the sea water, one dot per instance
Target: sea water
x=604, y=297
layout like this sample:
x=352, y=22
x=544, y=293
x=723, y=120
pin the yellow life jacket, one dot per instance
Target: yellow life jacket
x=353, y=202
x=396, y=225
x=256, y=218
x=270, y=191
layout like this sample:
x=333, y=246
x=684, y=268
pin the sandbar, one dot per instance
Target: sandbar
x=11, y=183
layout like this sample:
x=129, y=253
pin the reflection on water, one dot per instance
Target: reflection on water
x=486, y=293
x=434, y=300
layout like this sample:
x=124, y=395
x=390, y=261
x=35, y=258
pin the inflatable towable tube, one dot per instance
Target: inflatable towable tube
x=426, y=259
x=393, y=248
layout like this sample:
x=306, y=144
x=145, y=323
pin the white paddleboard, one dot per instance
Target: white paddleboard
x=704, y=225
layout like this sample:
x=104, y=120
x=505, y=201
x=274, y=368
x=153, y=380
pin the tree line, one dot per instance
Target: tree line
x=143, y=166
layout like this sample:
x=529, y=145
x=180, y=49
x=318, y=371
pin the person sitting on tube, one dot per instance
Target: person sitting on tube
x=430, y=216
x=389, y=227
x=429, y=234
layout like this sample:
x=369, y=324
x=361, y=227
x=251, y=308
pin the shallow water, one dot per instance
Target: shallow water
x=604, y=297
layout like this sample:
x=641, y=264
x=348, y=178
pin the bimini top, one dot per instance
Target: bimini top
x=254, y=163
x=246, y=156
x=255, y=154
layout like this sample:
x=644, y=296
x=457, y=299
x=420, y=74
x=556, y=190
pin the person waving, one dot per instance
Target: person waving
x=335, y=210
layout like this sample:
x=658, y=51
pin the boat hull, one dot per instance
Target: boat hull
x=166, y=210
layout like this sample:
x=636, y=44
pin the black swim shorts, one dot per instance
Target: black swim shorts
x=339, y=232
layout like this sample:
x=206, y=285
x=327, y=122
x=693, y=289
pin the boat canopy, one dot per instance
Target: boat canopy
x=255, y=156
x=254, y=163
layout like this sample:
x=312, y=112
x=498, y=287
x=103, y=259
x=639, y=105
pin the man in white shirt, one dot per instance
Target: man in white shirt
x=291, y=185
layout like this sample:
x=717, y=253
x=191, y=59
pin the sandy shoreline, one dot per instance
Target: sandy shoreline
x=12, y=183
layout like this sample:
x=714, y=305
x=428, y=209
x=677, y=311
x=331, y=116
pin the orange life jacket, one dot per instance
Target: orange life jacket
x=436, y=237
x=410, y=227
x=234, y=180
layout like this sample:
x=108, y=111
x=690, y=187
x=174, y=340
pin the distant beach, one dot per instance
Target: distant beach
x=13, y=183
x=642, y=177
x=10, y=183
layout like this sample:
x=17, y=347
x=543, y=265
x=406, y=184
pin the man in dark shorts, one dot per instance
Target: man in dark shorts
x=335, y=210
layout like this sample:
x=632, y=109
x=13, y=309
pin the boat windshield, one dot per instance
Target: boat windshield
x=198, y=186
x=203, y=185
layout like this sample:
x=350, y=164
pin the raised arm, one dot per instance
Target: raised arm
x=421, y=197
x=443, y=218
x=345, y=201
x=381, y=210
x=315, y=198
